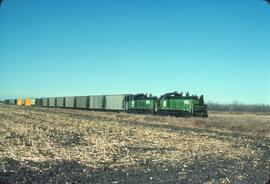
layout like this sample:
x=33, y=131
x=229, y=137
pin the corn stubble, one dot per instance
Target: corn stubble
x=71, y=146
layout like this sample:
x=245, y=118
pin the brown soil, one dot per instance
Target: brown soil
x=42, y=145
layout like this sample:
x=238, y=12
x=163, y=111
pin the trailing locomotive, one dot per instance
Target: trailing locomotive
x=142, y=103
x=175, y=103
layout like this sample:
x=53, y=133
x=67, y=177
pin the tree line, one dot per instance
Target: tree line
x=238, y=107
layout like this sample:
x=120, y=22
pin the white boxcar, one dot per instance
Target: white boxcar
x=33, y=101
x=12, y=102
x=69, y=102
x=60, y=101
x=96, y=102
x=81, y=102
x=45, y=102
x=115, y=102
x=51, y=102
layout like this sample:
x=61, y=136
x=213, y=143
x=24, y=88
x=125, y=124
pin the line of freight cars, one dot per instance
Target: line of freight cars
x=174, y=103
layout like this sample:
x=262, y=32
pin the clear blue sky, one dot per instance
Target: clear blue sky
x=70, y=47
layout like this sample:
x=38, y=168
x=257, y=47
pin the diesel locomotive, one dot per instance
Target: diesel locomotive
x=174, y=103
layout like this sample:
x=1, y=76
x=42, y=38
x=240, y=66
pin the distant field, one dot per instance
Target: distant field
x=44, y=145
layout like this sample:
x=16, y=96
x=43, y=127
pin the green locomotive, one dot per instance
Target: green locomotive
x=168, y=104
x=142, y=103
x=179, y=105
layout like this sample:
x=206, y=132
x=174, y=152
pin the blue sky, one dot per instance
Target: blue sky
x=58, y=48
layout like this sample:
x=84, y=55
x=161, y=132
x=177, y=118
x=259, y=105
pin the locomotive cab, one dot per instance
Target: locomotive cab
x=200, y=108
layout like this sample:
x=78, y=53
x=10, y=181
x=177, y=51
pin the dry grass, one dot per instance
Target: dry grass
x=247, y=123
x=108, y=142
x=257, y=124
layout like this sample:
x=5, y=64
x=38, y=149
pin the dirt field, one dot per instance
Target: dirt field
x=41, y=145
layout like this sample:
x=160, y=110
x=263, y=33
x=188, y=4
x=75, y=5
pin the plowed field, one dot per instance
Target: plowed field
x=41, y=145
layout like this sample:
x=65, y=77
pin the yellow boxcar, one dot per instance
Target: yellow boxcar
x=19, y=101
x=27, y=102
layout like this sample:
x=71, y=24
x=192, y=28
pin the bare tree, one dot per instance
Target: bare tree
x=239, y=107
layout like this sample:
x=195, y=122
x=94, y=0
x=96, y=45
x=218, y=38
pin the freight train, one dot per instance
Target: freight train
x=175, y=103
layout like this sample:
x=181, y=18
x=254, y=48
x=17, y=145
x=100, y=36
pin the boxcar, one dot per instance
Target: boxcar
x=33, y=101
x=27, y=102
x=12, y=102
x=115, y=102
x=45, y=102
x=60, y=102
x=70, y=102
x=51, y=102
x=96, y=102
x=82, y=102
x=38, y=102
